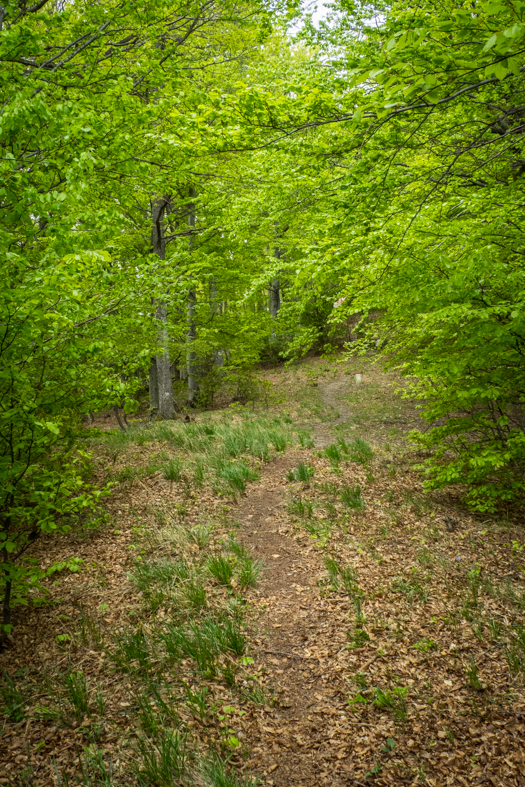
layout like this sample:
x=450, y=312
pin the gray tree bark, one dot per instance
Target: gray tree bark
x=191, y=355
x=153, y=387
x=275, y=287
x=275, y=298
x=166, y=407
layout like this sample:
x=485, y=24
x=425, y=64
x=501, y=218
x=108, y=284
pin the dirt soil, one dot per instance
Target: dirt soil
x=410, y=684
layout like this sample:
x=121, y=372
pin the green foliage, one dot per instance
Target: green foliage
x=358, y=450
x=516, y=650
x=203, y=641
x=351, y=497
x=78, y=694
x=426, y=645
x=444, y=270
x=201, y=535
x=358, y=637
x=132, y=650
x=301, y=508
x=414, y=249
x=301, y=473
x=13, y=699
x=333, y=571
x=393, y=701
x=305, y=439
x=333, y=453
x=249, y=573
x=411, y=588
x=172, y=471
x=217, y=773
x=472, y=675
x=221, y=568
x=165, y=760
x=237, y=475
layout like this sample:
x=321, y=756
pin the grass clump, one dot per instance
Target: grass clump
x=333, y=454
x=305, y=439
x=216, y=772
x=301, y=473
x=301, y=508
x=249, y=573
x=201, y=535
x=221, y=568
x=344, y=577
x=360, y=451
x=164, y=763
x=237, y=475
x=473, y=675
x=351, y=498
x=222, y=447
x=132, y=650
x=203, y=641
x=245, y=568
x=172, y=470
x=393, y=701
x=411, y=588
x=78, y=694
x=13, y=700
x=516, y=651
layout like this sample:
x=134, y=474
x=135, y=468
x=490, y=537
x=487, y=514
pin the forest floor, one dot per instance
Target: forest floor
x=331, y=625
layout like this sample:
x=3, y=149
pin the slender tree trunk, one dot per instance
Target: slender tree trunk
x=275, y=287
x=153, y=387
x=166, y=404
x=275, y=298
x=216, y=308
x=119, y=419
x=166, y=407
x=191, y=355
x=175, y=370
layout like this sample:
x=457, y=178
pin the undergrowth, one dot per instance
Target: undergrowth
x=221, y=452
x=180, y=661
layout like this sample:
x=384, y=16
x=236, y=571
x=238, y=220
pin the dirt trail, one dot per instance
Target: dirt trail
x=298, y=746
x=291, y=617
x=331, y=395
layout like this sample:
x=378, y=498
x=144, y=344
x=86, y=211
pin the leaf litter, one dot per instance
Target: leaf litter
x=383, y=643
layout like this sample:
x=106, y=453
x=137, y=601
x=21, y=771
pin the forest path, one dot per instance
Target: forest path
x=331, y=394
x=295, y=745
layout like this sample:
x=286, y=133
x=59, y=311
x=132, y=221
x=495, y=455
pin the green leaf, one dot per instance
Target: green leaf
x=490, y=43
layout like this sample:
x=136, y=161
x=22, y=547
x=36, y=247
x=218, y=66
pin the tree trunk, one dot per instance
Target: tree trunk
x=166, y=407
x=191, y=356
x=175, y=371
x=275, y=298
x=275, y=289
x=166, y=404
x=153, y=387
x=119, y=419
